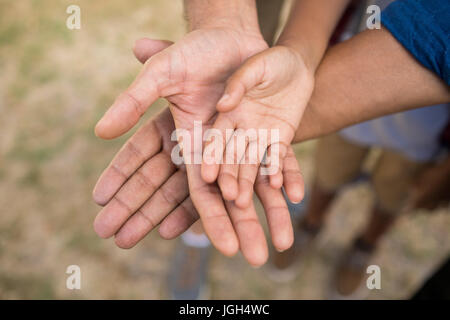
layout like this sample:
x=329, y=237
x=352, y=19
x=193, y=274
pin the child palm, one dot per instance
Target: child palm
x=269, y=91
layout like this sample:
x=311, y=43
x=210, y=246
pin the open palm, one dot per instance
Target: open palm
x=269, y=91
x=191, y=75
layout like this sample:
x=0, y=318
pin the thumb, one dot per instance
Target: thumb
x=144, y=48
x=128, y=107
x=249, y=75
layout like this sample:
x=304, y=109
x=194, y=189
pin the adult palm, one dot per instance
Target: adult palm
x=191, y=75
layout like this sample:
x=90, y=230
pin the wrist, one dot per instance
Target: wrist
x=310, y=27
x=310, y=57
x=233, y=14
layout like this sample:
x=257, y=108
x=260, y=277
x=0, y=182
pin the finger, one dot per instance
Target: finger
x=276, y=180
x=132, y=195
x=179, y=220
x=248, y=171
x=168, y=197
x=215, y=220
x=217, y=138
x=275, y=155
x=250, y=233
x=129, y=106
x=144, y=48
x=228, y=182
x=244, y=79
x=143, y=145
x=229, y=170
x=292, y=178
x=277, y=213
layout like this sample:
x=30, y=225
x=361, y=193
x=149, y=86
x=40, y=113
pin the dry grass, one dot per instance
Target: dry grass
x=55, y=84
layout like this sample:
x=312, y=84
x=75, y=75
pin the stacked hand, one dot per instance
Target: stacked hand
x=143, y=188
x=269, y=92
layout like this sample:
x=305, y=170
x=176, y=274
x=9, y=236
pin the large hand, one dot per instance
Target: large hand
x=147, y=191
x=191, y=75
x=141, y=186
x=166, y=195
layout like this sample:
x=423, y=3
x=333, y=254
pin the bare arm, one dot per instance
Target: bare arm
x=366, y=77
x=310, y=26
x=221, y=13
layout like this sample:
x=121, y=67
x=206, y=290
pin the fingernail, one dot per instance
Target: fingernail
x=98, y=128
x=295, y=202
x=224, y=98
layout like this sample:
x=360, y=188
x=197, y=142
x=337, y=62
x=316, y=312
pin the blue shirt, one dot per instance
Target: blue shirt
x=423, y=28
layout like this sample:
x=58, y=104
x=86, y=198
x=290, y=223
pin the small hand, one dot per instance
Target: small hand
x=269, y=91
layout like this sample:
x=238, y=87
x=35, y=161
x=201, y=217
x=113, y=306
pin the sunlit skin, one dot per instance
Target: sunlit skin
x=189, y=76
x=192, y=75
x=269, y=91
x=165, y=201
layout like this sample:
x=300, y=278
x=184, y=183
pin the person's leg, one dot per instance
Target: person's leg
x=320, y=200
x=187, y=278
x=391, y=179
x=352, y=267
x=379, y=223
x=337, y=162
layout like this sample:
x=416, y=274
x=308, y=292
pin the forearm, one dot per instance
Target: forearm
x=221, y=13
x=310, y=26
x=366, y=77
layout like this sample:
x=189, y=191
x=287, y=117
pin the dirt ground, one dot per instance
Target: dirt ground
x=55, y=84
